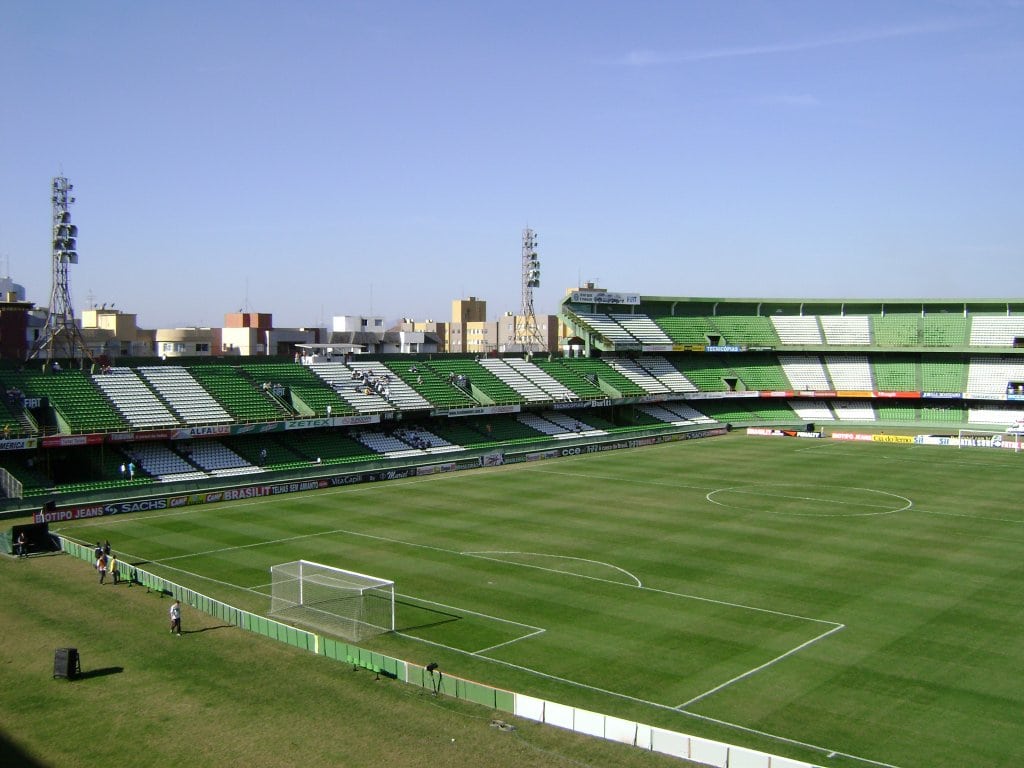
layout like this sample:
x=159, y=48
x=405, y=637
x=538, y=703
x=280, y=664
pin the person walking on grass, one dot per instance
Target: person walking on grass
x=175, y=612
x=101, y=566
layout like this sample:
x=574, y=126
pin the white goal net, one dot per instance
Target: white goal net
x=345, y=603
x=981, y=438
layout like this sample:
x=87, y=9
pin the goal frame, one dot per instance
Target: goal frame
x=989, y=438
x=332, y=599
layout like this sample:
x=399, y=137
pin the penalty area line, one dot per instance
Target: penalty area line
x=665, y=707
x=755, y=670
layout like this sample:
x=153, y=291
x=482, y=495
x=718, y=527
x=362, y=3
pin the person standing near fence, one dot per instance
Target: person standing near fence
x=101, y=566
x=175, y=613
x=112, y=565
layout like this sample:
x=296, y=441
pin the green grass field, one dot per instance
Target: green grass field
x=847, y=604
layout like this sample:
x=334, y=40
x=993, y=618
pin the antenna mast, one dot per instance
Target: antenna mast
x=61, y=336
x=527, y=333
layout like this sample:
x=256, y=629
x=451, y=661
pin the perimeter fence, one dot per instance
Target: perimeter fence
x=695, y=748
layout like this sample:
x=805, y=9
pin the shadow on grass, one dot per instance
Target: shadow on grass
x=101, y=672
x=425, y=617
x=206, y=629
x=12, y=754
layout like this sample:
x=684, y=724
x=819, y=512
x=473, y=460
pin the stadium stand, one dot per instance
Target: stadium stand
x=895, y=373
x=737, y=329
x=605, y=326
x=939, y=374
x=943, y=415
x=683, y=364
x=490, y=387
x=998, y=417
x=642, y=328
x=759, y=371
x=638, y=375
x=514, y=378
x=575, y=381
x=387, y=445
x=573, y=424
x=944, y=330
x=895, y=413
x=184, y=395
x=686, y=330
x=362, y=396
x=305, y=393
x=163, y=464
x=403, y=396
x=595, y=371
x=556, y=425
x=805, y=372
x=798, y=330
x=331, y=448
x=554, y=389
x=666, y=373
x=134, y=400
x=989, y=331
x=238, y=395
x=846, y=410
x=78, y=406
x=846, y=330
x=813, y=412
x=707, y=373
x=991, y=377
x=676, y=414
x=850, y=372
x=217, y=459
x=896, y=330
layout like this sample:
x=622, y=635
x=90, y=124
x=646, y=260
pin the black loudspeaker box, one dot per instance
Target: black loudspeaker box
x=66, y=663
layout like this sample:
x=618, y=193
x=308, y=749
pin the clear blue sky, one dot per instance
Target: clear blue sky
x=312, y=159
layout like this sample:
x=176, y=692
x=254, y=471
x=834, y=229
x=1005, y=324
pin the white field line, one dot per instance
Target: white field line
x=960, y=462
x=126, y=557
x=480, y=654
x=625, y=696
x=819, y=446
x=444, y=550
x=534, y=633
x=755, y=670
x=485, y=555
x=310, y=495
x=474, y=613
x=971, y=517
x=635, y=480
x=728, y=604
x=482, y=651
x=755, y=490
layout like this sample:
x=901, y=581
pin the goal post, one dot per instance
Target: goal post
x=352, y=605
x=987, y=438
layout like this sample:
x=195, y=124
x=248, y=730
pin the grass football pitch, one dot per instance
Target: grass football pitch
x=846, y=604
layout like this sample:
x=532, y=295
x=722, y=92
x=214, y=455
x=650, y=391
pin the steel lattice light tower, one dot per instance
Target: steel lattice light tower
x=527, y=333
x=61, y=336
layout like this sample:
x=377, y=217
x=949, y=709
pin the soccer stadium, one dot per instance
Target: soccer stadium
x=745, y=533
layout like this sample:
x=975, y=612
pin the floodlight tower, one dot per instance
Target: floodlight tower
x=61, y=337
x=527, y=333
